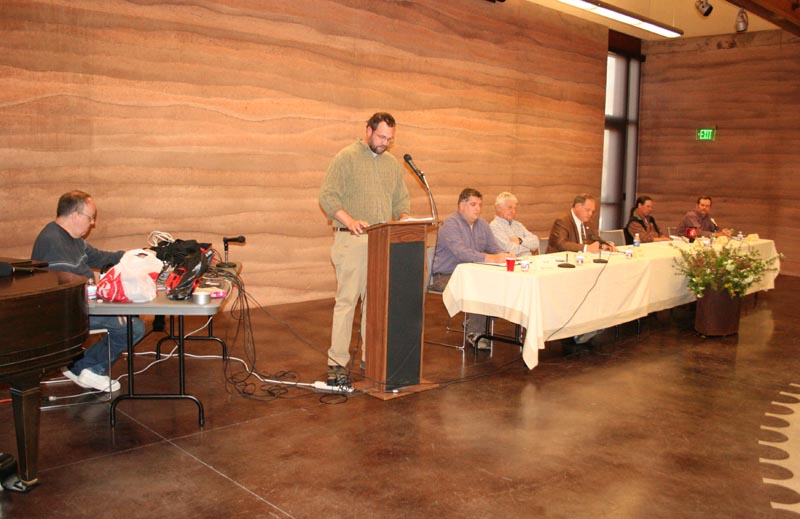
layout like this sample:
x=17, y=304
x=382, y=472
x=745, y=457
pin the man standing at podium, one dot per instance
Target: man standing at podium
x=61, y=244
x=363, y=186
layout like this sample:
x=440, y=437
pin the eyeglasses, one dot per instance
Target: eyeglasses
x=90, y=217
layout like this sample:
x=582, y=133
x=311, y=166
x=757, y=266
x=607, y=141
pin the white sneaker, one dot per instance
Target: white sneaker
x=585, y=337
x=483, y=344
x=89, y=378
x=72, y=376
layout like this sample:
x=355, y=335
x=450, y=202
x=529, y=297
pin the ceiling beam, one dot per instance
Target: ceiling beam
x=783, y=13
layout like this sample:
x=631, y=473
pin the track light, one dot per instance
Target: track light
x=741, y=21
x=623, y=16
x=704, y=7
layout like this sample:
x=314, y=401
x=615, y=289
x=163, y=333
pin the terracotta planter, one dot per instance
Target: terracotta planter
x=717, y=313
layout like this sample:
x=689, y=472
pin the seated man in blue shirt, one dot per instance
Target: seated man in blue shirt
x=465, y=237
x=61, y=245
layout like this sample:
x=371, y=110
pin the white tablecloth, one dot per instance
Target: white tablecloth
x=554, y=303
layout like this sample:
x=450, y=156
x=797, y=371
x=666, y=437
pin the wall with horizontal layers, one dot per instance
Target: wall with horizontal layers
x=209, y=118
x=747, y=86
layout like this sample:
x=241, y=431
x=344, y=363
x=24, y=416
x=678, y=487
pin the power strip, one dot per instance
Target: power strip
x=322, y=387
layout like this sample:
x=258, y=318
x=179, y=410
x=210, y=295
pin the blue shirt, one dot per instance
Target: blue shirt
x=457, y=242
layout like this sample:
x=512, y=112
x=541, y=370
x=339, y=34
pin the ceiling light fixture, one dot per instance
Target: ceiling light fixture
x=704, y=7
x=626, y=17
x=741, y=21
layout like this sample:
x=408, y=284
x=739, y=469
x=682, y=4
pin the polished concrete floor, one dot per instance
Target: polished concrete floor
x=664, y=425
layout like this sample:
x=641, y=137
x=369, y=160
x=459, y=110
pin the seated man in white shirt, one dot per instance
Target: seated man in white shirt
x=509, y=233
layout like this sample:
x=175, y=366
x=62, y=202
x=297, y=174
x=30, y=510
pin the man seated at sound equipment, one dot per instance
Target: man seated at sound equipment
x=510, y=233
x=701, y=220
x=465, y=237
x=573, y=233
x=61, y=244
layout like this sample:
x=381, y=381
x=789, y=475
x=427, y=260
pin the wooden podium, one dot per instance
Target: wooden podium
x=395, y=309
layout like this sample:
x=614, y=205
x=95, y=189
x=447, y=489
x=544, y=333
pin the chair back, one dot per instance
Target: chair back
x=543, y=245
x=615, y=236
x=430, y=252
x=672, y=231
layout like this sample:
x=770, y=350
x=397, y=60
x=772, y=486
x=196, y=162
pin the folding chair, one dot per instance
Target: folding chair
x=543, y=245
x=429, y=253
x=672, y=231
x=615, y=236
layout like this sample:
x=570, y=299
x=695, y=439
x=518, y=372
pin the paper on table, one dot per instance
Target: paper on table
x=495, y=264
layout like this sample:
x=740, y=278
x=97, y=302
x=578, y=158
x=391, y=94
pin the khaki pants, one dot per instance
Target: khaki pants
x=349, y=256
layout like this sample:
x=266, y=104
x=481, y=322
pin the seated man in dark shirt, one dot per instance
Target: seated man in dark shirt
x=61, y=245
x=642, y=223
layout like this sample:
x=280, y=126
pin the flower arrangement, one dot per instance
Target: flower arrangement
x=733, y=268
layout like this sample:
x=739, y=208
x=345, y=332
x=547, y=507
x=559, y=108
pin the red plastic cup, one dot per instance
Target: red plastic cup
x=510, y=262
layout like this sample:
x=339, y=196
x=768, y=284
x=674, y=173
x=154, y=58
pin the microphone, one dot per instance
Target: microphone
x=716, y=227
x=6, y=269
x=595, y=237
x=566, y=264
x=414, y=168
x=599, y=258
x=421, y=175
x=225, y=241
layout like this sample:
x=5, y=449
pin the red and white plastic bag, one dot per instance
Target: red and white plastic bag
x=132, y=280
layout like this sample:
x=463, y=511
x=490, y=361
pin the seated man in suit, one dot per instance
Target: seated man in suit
x=465, y=237
x=510, y=234
x=642, y=223
x=573, y=232
x=61, y=244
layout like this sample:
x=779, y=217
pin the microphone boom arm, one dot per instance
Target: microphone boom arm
x=421, y=175
x=434, y=212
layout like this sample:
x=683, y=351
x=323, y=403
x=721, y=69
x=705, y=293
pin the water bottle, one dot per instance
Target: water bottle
x=740, y=236
x=91, y=290
x=636, y=240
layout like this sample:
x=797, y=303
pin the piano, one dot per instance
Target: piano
x=44, y=321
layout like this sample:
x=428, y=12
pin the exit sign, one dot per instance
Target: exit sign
x=706, y=134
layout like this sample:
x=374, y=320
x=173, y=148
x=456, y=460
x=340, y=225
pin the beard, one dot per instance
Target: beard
x=376, y=149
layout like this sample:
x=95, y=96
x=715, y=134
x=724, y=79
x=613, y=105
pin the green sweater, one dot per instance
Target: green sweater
x=369, y=187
